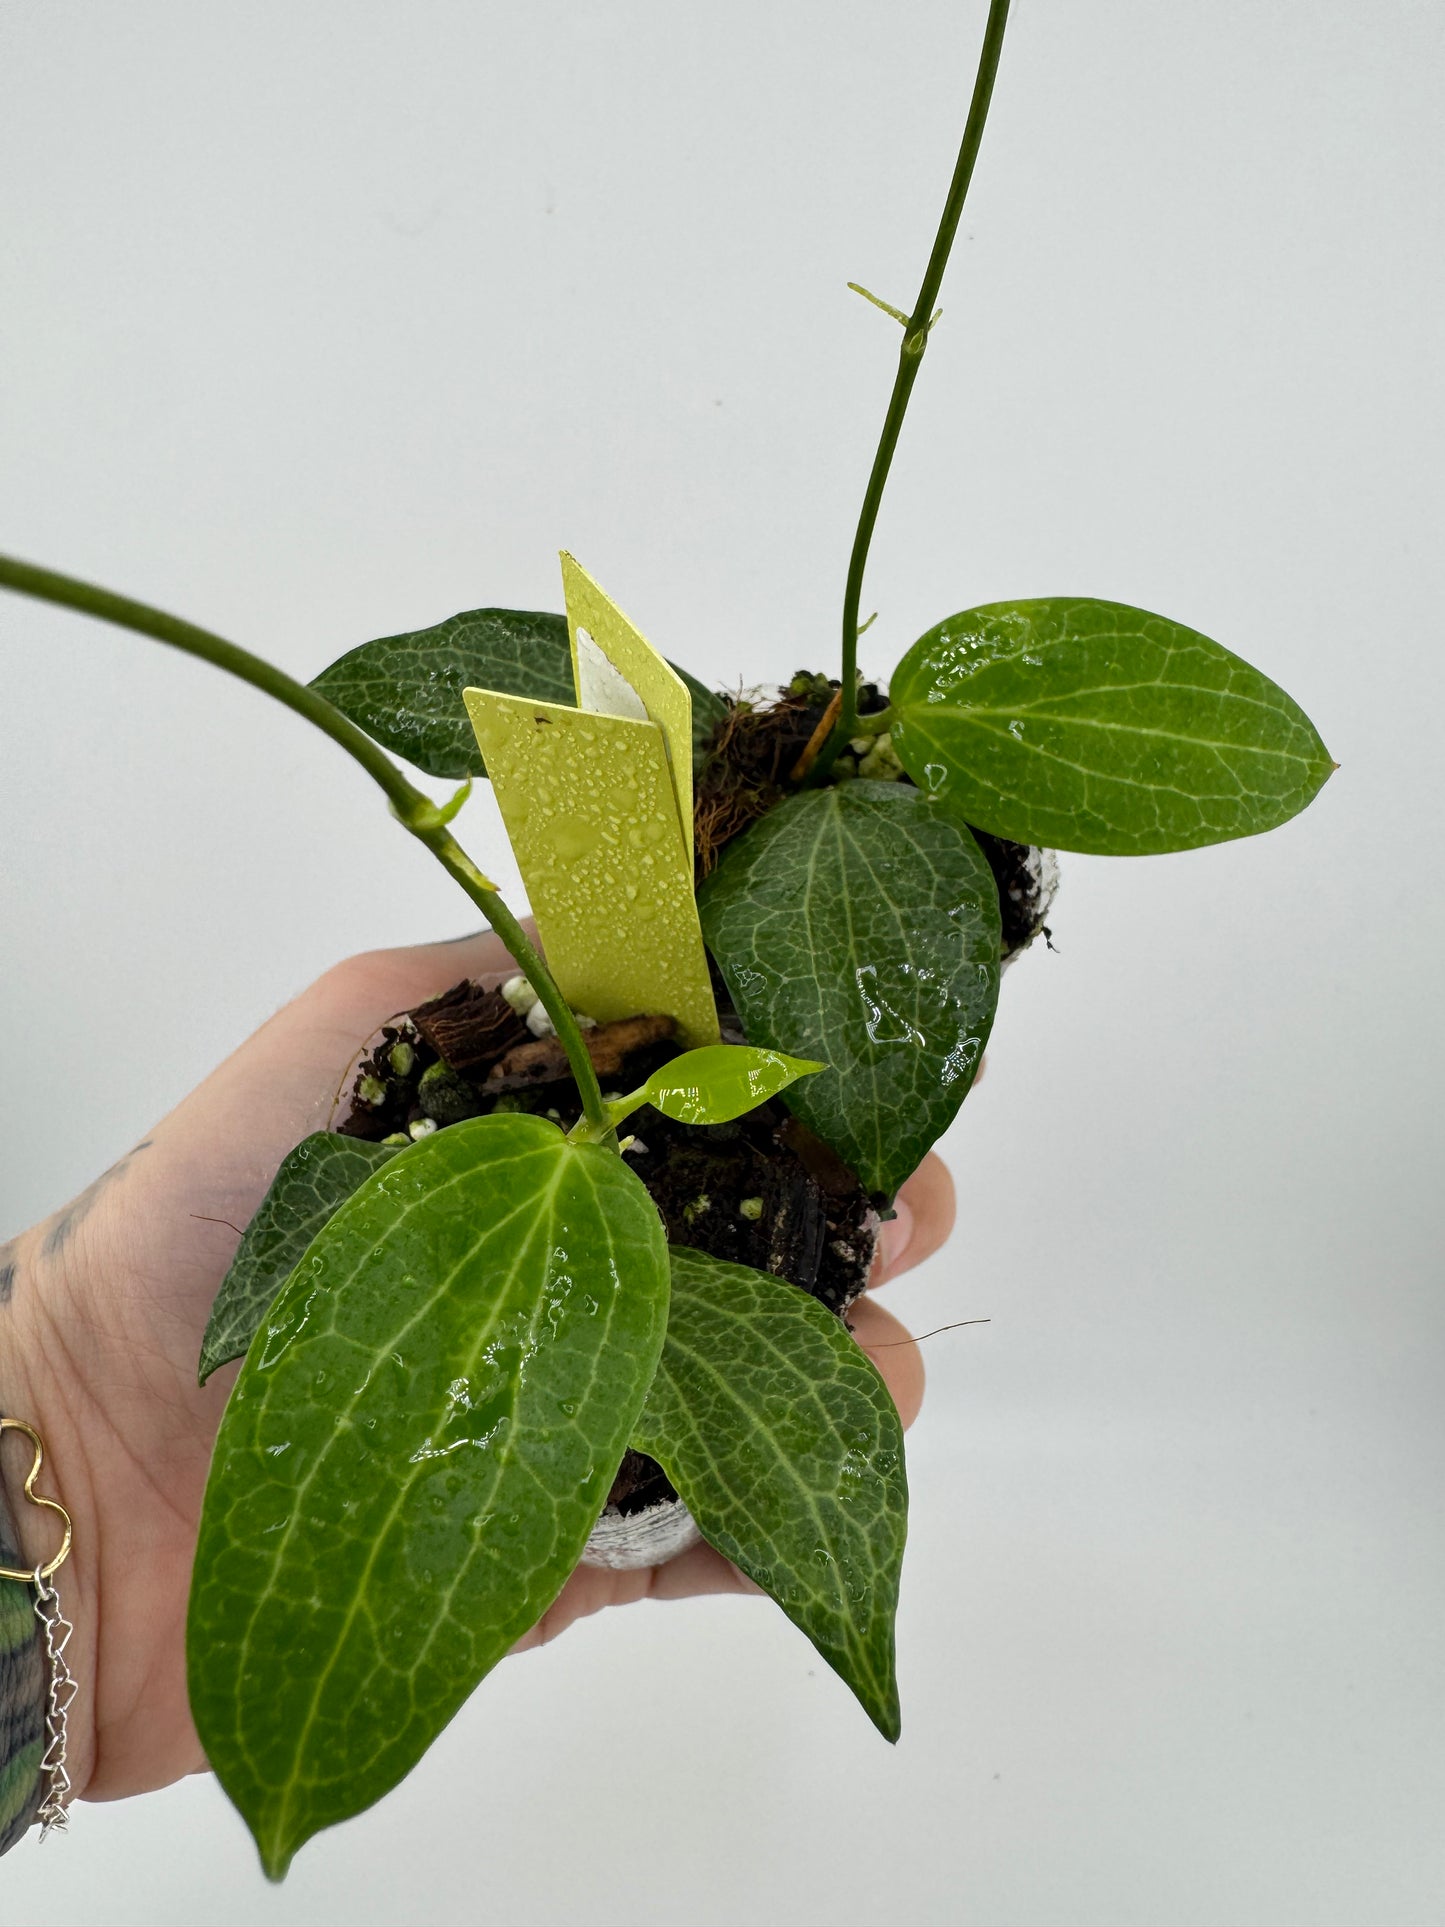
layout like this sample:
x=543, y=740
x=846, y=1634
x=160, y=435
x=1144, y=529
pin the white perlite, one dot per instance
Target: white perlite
x=1043, y=872
x=519, y=994
x=625, y=1542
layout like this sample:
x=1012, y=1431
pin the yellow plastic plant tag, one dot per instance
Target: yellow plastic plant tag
x=617, y=672
x=590, y=807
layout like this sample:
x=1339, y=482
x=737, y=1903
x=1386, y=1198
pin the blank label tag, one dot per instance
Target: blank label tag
x=644, y=676
x=590, y=800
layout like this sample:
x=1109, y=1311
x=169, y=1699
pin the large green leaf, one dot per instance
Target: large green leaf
x=1092, y=726
x=782, y=1438
x=406, y=690
x=419, y=1442
x=320, y=1174
x=860, y=925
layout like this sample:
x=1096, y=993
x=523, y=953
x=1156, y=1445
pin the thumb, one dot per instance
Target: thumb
x=225, y=1140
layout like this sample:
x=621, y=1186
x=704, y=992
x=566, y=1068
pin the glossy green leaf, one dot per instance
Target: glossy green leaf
x=1091, y=726
x=406, y=691
x=860, y=925
x=419, y=1442
x=717, y=1083
x=320, y=1174
x=783, y=1440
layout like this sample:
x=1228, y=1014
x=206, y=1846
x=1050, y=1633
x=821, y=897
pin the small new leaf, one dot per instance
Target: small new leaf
x=783, y=1440
x=860, y=925
x=1092, y=726
x=420, y=1440
x=716, y=1083
x=320, y=1174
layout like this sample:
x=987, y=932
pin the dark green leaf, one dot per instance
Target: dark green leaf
x=406, y=691
x=717, y=1083
x=860, y=925
x=1092, y=726
x=708, y=710
x=320, y=1174
x=420, y=1440
x=783, y=1440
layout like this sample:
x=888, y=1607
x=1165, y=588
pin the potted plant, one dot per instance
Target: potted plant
x=461, y=1312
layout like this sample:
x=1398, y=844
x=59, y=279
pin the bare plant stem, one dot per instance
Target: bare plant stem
x=414, y=810
x=910, y=359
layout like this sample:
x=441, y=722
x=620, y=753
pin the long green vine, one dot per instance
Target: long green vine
x=916, y=327
x=414, y=810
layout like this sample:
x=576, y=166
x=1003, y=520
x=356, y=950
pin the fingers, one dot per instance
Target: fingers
x=591, y=1589
x=368, y=989
x=925, y=1208
x=320, y=1031
x=286, y=1079
x=893, y=1351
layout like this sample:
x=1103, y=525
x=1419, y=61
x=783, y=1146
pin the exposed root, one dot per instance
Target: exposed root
x=744, y=778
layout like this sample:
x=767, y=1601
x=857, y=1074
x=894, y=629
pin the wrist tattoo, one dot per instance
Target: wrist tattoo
x=69, y=1216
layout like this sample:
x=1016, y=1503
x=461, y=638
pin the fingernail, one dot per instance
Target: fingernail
x=897, y=1236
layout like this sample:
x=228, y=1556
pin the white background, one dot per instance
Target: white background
x=324, y=321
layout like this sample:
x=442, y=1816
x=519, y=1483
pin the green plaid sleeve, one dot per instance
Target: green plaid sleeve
x=22, y=1693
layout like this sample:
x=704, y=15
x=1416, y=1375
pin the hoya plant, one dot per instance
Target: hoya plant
x=506, y=1296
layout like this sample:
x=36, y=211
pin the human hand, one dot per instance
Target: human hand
x=100, y=1336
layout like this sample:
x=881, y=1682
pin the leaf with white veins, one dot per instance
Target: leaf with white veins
x=406, y=690
x=312, y=1181
x=860, y=926
x=420, y=1440
x=784, y=1442
x=1091, y=726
